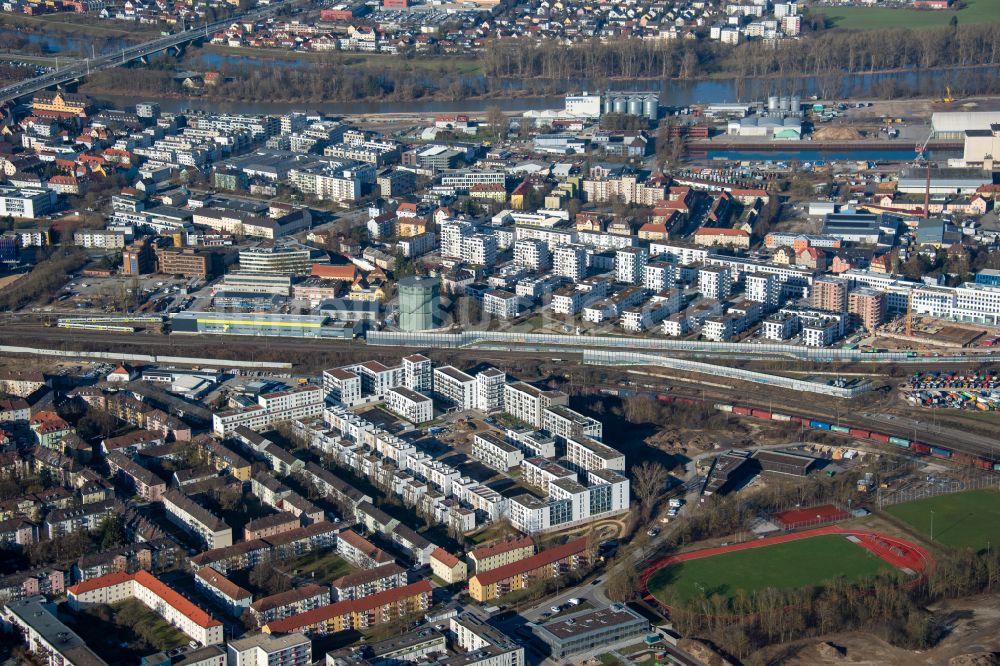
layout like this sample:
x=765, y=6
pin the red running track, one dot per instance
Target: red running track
x=900, y=553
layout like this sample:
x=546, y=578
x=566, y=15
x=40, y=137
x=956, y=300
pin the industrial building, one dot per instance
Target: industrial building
x=644, y=104
x=597, y=630
x=419, y=304
x=953, y=124
x=255, y=323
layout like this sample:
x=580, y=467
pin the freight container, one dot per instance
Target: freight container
x=780, y=417
x=938, y=452
x=800, y=419
x=899, y=441
x=723, y=408
x=858, y=432
x=837, y=428
x=920, y=448
x=745, y=411
x=996, y=467
x=819, y=425
x=761, y=413
x=982, y=463
x=879, y=437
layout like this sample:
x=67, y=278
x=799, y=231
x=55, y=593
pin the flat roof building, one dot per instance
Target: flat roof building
x=591, y=631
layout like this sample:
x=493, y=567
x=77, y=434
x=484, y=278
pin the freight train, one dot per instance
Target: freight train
x=919, y=448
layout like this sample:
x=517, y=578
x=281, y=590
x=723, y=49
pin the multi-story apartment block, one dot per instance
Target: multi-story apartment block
x=534, y=443
x=540, y=472
x=570, y=261
x=564, y=423
x=527, y=403
x=493, y=450
x=585, y=454
x=47, y=639
x=486, y=558
x=549, y=563
x=532, y=254
x=489, y=390
x=868, y=307
x=479, y=249
x=290, y=602
x=455, y=387
x=368, y=582
x=267, y=650
x=659, y=275
x=630, y=264
x=196, y=519
x=830, y=293
x=357, y=614
x=297, y=403
x=763, y=288
x=153, y=593
x=418, y=373
x=715, y=282
x=412, y=406
x=276, y=260
x=500, y=304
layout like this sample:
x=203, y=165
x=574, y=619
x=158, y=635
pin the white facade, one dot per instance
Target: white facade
x=409, y=404
x=532, y=254
x=630, y=265
x=455, y=387
x=570, y=261
x=493, y=450
x=489, y=390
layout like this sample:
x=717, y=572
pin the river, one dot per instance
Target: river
x=672, y=93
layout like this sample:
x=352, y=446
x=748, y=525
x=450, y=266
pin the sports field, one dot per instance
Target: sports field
x=876, y=18
x=789, y=565
x=961, y=520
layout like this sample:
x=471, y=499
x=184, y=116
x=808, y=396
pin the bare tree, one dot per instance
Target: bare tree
x=650, y=481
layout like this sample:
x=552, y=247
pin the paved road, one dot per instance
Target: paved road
x=86, y=66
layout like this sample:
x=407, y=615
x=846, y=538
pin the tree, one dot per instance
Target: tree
x=497, y=122
x=112, y=531
x=623, y=584
x=269, y=579
x=650, y=482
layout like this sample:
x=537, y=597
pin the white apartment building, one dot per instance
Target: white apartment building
x=585, y=454
x=527, y=403
x=645, y=317
x=570, y=261
x=479, y=249
x=452, y=233
x=500, y=304
x=540, y=472
x=418, y=373
x=821, y=333
x=409, y=404
x=342, y=386
x=489, y=390
x=630, y=264
x=763, y=288
x=455, y=387
x=47, y=639
x=564, y=423
x=719, y=329
x=532, y=254
x=276, y=260
x=270, y=650
x=25, y=203
x=679, y=253
x=272, y=408
x=163, y=600
x=571, y=503
x=659, y=275
x=492, y=450
x=715, y=282
x=534, y=443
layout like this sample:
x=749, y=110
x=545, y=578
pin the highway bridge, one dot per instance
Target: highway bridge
x=82, y=68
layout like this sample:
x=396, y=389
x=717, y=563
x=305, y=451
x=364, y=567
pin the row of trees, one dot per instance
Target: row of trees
x=45, y=279
x=839, y=52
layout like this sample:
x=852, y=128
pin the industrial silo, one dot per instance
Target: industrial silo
x=772, y=104
x=609, y=103
x=635, y=105
x=651, y=107
x=419, y=303
x=783, y=104
x=621, y=105
x=795, y=105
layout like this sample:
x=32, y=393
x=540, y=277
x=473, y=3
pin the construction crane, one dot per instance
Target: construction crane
x=909, y=313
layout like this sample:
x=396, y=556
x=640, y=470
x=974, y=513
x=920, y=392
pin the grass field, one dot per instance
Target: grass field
x=962, y=520
x=876, y=18
x=788, y=565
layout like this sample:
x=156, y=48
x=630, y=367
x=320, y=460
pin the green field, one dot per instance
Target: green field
x=875, y=18
x=788, y=565
x=962, y=520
